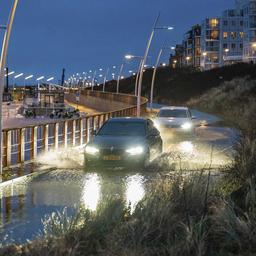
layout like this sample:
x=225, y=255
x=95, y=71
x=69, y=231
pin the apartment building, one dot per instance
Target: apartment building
x=248, y=8
x=231, y=36
x=210, y=43
x=192, y=47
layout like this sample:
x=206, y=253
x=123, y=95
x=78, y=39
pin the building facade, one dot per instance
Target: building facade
x=248, y=7
x=221, y=40
x=231, y=36
x=210, y=43
x=192, y=47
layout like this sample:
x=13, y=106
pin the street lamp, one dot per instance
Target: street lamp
x=50, y=79
x=105, y=79
x=154, y=74
x=145, y=57
x=93, y=79
x=5, y=45
x=130, y=57
x=119, y=77
x=226, y=54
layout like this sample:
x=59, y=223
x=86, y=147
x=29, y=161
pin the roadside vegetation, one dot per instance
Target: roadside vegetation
x=183, y=215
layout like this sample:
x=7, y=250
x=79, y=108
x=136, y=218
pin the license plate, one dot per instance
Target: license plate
x=111, y=158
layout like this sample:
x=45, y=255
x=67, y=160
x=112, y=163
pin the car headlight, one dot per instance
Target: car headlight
x=91, y=150
x=186, y=126
x=135, y=151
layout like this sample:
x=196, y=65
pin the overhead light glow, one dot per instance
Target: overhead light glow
x=19, y=75
x=28, y=77
x=50, y=79
x=40, y=78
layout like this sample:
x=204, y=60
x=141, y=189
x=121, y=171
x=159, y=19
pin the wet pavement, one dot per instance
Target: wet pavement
x=26, y=202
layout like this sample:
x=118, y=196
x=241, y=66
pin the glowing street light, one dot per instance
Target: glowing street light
x=145, y=58
x=130, y=57
x=9, y=74
x=19, y=75
x=29, y=77
x=40, y=78
x=50, y=79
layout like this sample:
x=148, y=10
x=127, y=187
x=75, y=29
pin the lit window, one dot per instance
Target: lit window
x=225, y=35
x=215, y=34
x=233, y=35
x=242, y=34
x=213, y=22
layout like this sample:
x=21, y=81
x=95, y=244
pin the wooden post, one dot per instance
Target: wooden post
x=46, y=137
x=73, y=132
x=33, y=145
x=99, y=119
x=56, y=136
x=21, y=156
x=8, y=148
x=81, y=134
x=65, y=134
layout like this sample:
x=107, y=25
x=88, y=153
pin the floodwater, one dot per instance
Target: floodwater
x=26, y=202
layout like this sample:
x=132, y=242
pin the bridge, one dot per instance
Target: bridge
x=26, y=141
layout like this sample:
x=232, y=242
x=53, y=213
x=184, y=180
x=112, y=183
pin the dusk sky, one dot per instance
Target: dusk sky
x=90, y=34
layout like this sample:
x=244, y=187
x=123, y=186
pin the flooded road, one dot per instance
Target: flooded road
x=25, y=203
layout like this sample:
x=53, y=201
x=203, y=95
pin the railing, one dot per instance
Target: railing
x=26, y=143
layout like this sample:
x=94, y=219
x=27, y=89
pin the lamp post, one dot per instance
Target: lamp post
x=105, y=79
x=154, y=74
x=93, y=79
x=226, y=55
x=130, y=57
x=5, y=45
x=204, y=55
x=119, y=77
x=144, y=60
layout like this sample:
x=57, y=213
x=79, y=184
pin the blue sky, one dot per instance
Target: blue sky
x=90, y=34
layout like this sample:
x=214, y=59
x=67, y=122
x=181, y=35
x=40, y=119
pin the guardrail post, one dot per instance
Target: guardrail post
x=81, y=126
x=74, y=132
x=56, y=136
x=46, y=137
x=22, y=146
x=65, y=134
x=98, y=125
x=33, y=145
x=8, y=148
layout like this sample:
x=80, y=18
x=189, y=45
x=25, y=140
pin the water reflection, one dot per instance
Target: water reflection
x=24, y=204
x=134, y=190
x=91, y=191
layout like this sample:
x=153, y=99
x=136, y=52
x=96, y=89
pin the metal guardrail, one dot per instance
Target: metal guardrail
x=24, y=143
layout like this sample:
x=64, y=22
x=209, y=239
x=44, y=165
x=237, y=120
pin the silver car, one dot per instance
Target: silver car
x=176, y=119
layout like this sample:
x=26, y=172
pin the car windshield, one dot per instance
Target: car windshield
x=123, y=129
x=176, y=113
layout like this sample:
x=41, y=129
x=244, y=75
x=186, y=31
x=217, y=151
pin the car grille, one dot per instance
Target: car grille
x=171, y=126
x=108, y=151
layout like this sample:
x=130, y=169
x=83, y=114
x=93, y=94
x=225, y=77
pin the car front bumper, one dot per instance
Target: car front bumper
x=114, y=160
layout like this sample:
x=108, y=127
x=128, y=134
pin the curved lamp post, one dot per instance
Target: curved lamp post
x=105, y=79
x=93, y=79
x=119, y=77
x=129, y=57
x=6, y=40
x=144, y=60
x=154, y=74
